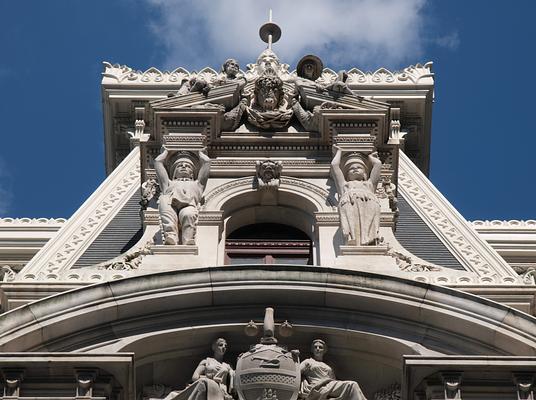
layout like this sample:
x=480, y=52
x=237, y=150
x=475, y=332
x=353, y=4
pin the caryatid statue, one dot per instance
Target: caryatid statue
x=359, y=208
x=181, y=194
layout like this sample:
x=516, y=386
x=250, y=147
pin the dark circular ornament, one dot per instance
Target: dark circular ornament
x=310, y=59
x=268, y=29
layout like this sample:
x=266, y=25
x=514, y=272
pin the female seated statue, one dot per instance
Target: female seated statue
x=318, y=379
x=212, y=379
x=359, y=207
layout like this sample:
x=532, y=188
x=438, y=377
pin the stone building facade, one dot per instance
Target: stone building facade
x=295, y=199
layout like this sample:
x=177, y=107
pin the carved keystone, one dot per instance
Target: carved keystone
x=85, y=378
x=12, y=378
x=525, y=385
x=452, y=384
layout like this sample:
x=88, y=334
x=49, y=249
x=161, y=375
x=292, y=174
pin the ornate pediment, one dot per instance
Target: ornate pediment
x=270, y=105
x=227, y=95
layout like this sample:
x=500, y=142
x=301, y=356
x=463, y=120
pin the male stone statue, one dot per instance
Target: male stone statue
x=181, y=194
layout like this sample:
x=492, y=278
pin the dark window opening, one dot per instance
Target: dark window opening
x=268, y=244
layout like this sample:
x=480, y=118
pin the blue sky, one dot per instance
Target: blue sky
x=483, y=136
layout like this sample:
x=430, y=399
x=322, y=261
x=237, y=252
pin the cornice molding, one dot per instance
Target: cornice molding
x=504, y=224
x=450, y=227
x=32, y=221
x=61, y=252
x=417, y=74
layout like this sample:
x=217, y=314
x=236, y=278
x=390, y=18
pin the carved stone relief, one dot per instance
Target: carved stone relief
x=268, y=174
x=269, y=106
x=268, y=371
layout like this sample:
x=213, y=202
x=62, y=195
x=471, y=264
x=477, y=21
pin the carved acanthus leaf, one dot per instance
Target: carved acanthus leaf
x=406, y=263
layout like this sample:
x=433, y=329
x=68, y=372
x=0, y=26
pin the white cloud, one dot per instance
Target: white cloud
x=363, y=33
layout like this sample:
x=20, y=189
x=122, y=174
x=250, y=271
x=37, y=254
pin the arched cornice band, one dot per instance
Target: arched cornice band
x=438, y=318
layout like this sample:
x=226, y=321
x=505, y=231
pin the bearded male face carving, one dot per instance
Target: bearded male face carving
x=268, y=92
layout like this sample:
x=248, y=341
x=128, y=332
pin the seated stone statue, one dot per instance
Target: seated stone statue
x=359, y=208
x=181, y=195
x=212, y=379
x=318, y=379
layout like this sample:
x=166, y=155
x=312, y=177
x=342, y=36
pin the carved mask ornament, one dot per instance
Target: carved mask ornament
x=268, y=91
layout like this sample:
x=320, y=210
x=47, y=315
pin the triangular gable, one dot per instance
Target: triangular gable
x=88, y=222
x=226, y=95
x=458, y=236
x=314, y=97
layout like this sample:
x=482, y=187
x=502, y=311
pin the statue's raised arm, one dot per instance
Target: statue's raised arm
x=336, y=172
x=160, y=168
x=204, y=170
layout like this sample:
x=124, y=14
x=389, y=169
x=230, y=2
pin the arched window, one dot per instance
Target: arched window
x=268, y=244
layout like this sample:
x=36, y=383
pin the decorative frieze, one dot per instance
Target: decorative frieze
x=513, y=223
x=31, y=221
x=411, y=75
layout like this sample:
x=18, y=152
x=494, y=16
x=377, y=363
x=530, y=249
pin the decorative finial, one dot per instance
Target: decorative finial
x=268, y=327
x=270, y=32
